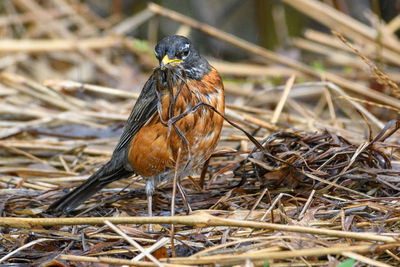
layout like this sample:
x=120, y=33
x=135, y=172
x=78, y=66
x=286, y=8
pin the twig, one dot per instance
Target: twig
x=72, y=86
x=370, y=103
x=52, y=45
x=231, y=259
x=133, y=22
x=133, y=243
x=303, y=211
x=111, y=261
x=282, y=101
x=174, y=185
x=160, y=243
x=257, y=202
x=337, y=20
x=335, y=185
x=197, y=219
x=380, y=77
x=34, y=242
x=366, y=260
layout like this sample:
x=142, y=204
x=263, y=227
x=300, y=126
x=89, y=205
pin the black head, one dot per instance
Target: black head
x=178, y=51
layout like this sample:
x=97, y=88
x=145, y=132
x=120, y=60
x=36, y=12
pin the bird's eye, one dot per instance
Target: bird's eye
x=185, y=53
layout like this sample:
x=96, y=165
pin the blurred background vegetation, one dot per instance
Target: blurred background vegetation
x=269, y=23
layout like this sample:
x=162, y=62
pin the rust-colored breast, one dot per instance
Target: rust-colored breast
x=154, y=152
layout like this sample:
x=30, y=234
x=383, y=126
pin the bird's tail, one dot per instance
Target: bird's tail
x=92, y=185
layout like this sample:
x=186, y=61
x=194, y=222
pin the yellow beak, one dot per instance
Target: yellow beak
x=166, y=60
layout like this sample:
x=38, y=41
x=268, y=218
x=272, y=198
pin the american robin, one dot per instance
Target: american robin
x=174, y=112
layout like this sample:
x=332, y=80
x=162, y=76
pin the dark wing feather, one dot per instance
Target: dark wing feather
x=144, y=109
x=118, y=167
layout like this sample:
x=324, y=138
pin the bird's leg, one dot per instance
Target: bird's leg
x=150, y=210
x=150, y=205
x=149, y=193
x=184, y=197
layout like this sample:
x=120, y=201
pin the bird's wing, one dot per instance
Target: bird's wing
x=118, y=166
x=145, y=107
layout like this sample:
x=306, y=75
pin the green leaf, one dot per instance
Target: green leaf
x=348, y=70
x=347, y=263
x=318, y=66
x=142, y=45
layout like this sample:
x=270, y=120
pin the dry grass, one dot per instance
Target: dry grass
x=319, y=177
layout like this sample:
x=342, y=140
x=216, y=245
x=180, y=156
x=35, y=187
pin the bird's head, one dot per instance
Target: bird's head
x=178, y=51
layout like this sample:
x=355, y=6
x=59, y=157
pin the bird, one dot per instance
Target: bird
x=177, y=116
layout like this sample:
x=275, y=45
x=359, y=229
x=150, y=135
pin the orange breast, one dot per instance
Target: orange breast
x=154, y=152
